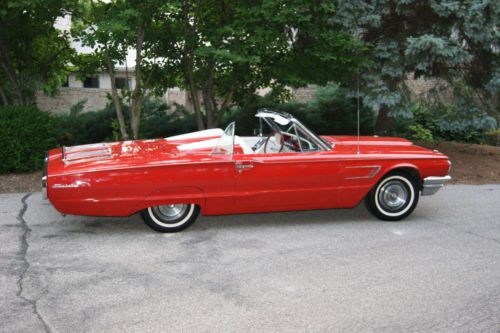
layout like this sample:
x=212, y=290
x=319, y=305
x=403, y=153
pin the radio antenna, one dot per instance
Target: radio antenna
x=357, y=88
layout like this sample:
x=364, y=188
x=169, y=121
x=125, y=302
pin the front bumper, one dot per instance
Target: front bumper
x=432, y=184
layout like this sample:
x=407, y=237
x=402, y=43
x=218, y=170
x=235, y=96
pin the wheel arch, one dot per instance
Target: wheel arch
x=407, y=168
x=172, y=195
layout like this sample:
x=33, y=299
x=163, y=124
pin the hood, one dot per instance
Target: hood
x=378, y=145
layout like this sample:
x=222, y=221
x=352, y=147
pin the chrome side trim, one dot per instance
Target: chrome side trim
x=44, y=176
x=432, y=184
x=371, y=174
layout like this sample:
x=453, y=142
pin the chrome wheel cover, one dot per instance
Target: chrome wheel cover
x=170, y=213
x=393, y=195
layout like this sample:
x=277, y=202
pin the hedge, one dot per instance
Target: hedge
x=25, y=135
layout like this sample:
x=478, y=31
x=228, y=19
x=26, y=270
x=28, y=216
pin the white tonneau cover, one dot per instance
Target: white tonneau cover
x=197, y=135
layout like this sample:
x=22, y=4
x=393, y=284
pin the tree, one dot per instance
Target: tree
x=33, y=53
x=457, y=41
x=112, y=29
x=227, y=49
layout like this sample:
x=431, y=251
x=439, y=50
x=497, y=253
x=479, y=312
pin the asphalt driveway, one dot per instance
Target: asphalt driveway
x=337, y=270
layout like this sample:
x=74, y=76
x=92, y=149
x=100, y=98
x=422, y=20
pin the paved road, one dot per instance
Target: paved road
x=308, y=271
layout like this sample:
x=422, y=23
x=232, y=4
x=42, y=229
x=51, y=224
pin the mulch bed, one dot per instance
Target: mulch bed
x=471, y=163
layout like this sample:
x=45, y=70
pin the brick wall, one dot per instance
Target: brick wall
x=96, y=99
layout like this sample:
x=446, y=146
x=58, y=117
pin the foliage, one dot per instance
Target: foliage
x=160, y=125
x=26, y=134
x=111, y=29
x=79, y=127
x=461, y=123
x=158, y=121
x=222, y=52
x=457, y=41
x=419, y=133
x=458, y=122
x=33, y=53
x=244, y=114
x=333, y=110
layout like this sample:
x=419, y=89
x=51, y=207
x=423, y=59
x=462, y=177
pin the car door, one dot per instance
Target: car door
x=285, y=181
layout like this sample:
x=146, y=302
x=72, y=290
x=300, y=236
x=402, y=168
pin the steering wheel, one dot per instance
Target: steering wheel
x=281, y=143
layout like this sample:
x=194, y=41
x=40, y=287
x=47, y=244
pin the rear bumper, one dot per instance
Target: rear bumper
x=432, y=184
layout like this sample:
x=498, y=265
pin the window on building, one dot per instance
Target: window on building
x=91, y=82
x=121, y=83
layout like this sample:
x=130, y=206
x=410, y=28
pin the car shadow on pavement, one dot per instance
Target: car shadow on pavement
x=296, y=219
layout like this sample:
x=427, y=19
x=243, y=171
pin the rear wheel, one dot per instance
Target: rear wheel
x=170, y=218
x=394, y=197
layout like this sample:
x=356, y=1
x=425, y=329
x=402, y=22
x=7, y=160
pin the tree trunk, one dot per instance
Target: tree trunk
x=5, y=101
x=212, y=120
x=210, y=107
x=210, y=99
x=384, y=123
x=10, y=73
x=195, y=98
x=189, y=28
x=116, y=99
x=137, y=94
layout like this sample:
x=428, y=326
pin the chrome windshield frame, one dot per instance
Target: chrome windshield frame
x=322, y=144
x=318, y=140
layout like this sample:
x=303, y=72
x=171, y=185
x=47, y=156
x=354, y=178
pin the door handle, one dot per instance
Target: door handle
x=242, y=166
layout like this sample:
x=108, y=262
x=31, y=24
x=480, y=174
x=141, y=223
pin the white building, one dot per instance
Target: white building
x=95, y=91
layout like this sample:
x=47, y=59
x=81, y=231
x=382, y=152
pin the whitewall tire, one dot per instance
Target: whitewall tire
x=170, y=218
x=394, y=197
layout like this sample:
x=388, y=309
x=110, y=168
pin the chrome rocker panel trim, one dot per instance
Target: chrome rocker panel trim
x=432, y=184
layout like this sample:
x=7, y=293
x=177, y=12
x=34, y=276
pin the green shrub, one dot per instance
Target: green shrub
x=158, y=123
x=25, y=135
x=420, y=133
x=456, y=122
x=79, y=127
x=334, y=111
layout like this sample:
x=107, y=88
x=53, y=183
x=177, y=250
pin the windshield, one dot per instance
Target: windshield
x=312, y=134
x=225, y=145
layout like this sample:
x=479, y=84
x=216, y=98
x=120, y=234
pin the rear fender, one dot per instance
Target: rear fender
x=172, y=195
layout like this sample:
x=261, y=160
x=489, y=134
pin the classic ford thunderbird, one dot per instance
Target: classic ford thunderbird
x=285, y=167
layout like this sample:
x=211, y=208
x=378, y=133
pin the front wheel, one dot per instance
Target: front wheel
x=170, y=218
x=394, y=197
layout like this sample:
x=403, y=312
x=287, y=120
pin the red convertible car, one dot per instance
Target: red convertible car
x=285, y=167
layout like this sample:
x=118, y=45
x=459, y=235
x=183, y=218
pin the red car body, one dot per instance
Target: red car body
x=123, y=178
